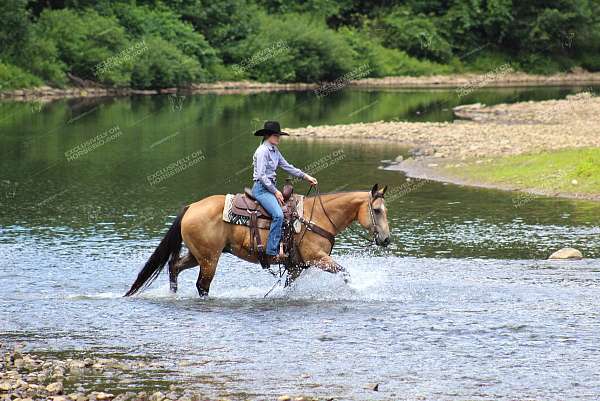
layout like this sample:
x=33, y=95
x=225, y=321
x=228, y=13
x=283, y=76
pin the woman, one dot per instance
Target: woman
x=266, y=160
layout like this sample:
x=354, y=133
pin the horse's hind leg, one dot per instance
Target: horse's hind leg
x=187, y=262
x=208, y=267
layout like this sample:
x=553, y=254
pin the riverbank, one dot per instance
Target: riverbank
x=42, y=376
x=48, y=93
x=465, y=81
x=495, y=147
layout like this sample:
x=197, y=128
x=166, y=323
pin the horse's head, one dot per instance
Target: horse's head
x=373, y=216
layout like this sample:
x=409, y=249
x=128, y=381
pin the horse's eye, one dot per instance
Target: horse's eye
x=377, y=211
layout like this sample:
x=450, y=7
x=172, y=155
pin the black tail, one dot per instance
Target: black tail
x=169, y=247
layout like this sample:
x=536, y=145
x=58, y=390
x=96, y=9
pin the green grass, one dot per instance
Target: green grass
x=547, y=171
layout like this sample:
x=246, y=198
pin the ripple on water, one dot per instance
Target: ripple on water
x=438, y=328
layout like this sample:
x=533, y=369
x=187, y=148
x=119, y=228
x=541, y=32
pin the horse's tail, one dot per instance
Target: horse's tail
x=169, y=247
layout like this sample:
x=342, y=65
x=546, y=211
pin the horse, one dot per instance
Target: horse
x=201, y=227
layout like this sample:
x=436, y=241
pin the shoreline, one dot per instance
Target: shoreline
x=419, y=169
x=486, y=138
x=84, y=376
x=514, y=79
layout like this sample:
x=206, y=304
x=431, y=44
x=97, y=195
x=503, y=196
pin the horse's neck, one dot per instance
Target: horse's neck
x=342, y=208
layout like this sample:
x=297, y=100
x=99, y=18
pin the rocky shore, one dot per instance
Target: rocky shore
x=84, y=88
x=483, y=134
x=510, y=79
x=501, y=130
x=48, y=93
x=28, y=377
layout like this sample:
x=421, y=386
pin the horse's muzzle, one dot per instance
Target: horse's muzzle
x=382, y=242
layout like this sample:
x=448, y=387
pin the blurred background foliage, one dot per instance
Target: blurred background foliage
x=193, y=41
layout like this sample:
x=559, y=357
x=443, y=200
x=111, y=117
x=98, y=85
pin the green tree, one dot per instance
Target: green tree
x=224, y=23
x=14, y=29
x=164, y=66
x=295, y=48
x=162, y=22
x=84, y=40
x=415, y=34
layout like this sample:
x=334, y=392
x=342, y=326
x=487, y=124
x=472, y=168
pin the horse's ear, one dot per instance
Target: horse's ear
x=374, y=189
x=383, y=190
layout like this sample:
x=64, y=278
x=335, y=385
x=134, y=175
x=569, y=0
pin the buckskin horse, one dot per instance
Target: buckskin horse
x=201, y=227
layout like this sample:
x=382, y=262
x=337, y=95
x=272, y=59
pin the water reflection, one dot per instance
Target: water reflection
x=460, y=306
x=108, y=191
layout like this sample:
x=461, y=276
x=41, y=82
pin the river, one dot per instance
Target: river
x=461, y=305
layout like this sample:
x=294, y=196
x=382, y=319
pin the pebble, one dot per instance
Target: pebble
x=158, y=396
x=55, y=388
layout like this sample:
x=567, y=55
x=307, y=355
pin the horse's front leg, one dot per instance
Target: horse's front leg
x=326, y=263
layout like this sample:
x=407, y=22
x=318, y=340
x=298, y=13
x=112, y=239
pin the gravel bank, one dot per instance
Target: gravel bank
x=493, y=131
x=510, y=79
x=483, y=134
x=29, y=377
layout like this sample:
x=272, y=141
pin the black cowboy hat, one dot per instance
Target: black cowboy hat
x=270, y=128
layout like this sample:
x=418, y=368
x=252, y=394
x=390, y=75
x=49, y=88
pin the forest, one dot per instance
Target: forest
x=148, y=44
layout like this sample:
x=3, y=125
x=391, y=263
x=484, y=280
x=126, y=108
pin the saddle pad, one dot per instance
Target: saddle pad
x=230, y=217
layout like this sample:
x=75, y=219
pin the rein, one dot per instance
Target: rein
x=310, y=226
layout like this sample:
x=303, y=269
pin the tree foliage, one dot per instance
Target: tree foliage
x=275, y=40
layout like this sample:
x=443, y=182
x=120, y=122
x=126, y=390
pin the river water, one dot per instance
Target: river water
x=462, y=304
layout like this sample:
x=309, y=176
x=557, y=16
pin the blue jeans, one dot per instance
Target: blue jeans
x=271, y=205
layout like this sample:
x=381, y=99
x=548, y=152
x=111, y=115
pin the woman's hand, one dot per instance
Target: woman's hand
x=312, y=180
x=279, y=197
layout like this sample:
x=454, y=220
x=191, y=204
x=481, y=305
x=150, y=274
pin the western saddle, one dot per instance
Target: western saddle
x=249, y=210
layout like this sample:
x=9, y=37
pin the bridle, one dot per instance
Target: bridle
x=373, y=229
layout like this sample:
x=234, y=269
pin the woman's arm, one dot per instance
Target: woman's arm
x=294, y=170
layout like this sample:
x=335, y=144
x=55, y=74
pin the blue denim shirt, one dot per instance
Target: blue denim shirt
x=266, y=159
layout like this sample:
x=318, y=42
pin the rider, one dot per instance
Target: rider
x=266, y=159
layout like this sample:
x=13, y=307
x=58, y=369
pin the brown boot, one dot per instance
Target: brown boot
x=280, y=258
